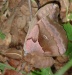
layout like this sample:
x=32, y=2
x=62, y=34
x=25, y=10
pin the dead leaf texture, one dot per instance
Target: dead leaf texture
x=11, y=72
x=32, y=43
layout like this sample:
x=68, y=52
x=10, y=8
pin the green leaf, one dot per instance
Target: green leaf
x=69, y=16
x=2, y=35
x=70, y=0
x=30, y=73
x=46, y=71
x=68, y=28
x=64, y=68
x=33, y=0
x=3, y=66
x=35, y=72
x=22, y=72
x=69, y=50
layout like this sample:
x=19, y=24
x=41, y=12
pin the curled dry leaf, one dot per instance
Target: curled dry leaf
x=45, y=36
x=54, y=39
x=11, y=72
x=42, y=13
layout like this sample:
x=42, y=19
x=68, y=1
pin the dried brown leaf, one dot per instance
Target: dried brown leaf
x=11, y=72
x=14, y=63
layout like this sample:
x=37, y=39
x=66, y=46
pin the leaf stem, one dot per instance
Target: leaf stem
x=65, y=68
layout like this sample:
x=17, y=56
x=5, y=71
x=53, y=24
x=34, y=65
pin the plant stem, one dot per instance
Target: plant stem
x=65, y=68
x=30, y=9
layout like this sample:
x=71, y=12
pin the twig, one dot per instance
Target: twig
x=64, y=68
x=30, y=9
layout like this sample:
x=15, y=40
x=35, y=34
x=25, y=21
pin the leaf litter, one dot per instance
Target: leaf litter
x=28, y=52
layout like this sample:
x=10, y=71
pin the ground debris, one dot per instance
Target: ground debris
x=42, y=51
